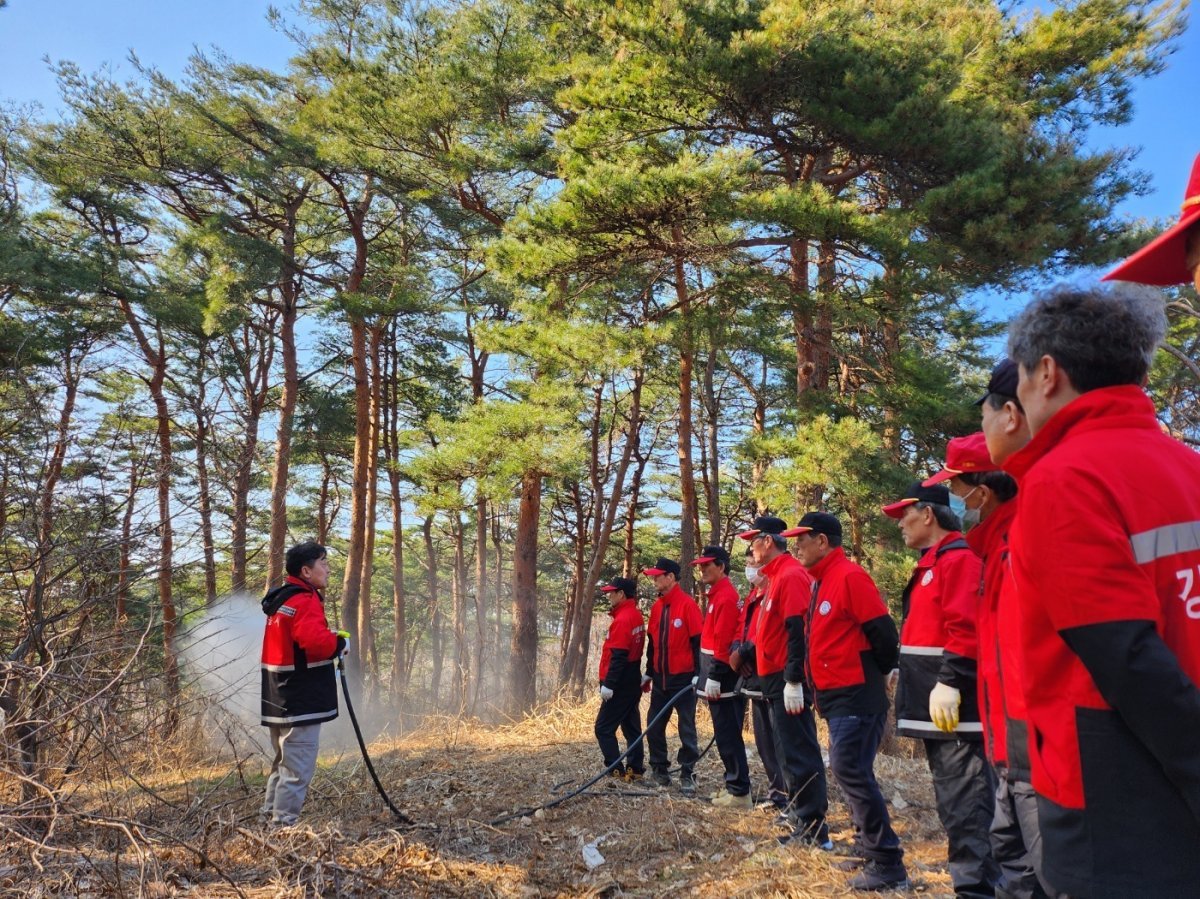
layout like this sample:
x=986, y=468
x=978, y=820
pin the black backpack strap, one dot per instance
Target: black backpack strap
x=960, y=543
x=272, y=602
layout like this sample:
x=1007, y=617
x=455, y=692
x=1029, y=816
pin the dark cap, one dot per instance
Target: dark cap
x=626, y=585
x=938, y=495
x=764, y=524
x=712, y=554
x=663, y=566
x=817, y=523
x=1003, y=381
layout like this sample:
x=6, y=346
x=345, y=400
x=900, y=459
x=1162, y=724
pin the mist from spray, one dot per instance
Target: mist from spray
x=221, y=650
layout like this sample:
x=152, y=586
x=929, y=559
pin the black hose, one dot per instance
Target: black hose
x=521, y=813
x=400, y=816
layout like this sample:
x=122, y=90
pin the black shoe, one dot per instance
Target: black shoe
x=806, y=835
x=687, y=783
x=660, y=778
x=876, y=876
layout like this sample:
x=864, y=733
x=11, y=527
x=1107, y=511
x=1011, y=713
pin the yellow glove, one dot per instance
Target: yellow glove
x=943, y=707
x=344, y=634
x=343, y=644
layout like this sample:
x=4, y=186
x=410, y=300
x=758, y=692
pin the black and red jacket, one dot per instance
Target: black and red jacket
x=852, y=640
x=673, y=638
x=621, y=654
x=779, y=635
x=938, y=641
x=1106, y=562
x=298, y=685
x=744, y=643
x=998, y=659
x=721, y=620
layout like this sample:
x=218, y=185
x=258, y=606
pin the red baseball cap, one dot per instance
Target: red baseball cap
x=1163, y=261
x=917, y=493
x=964, y=454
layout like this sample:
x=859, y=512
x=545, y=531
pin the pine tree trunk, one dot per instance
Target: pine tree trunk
x=687, y=476
x=435, y=614
x=280, y=469
x=356, y=544
x=523, y=662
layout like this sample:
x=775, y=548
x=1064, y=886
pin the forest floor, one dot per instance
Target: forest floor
x=174, y=822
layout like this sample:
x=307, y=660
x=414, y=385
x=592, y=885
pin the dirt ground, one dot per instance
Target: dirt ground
x=187, y=829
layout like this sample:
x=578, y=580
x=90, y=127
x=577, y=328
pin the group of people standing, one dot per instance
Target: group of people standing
x=1048, y=659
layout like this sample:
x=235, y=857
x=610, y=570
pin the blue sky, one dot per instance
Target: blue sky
x=163, y=33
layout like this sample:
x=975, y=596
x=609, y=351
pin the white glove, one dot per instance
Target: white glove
x=695, y=680
x=943, y=707
x=793, y=698
x=605, y=694
x=712, y=689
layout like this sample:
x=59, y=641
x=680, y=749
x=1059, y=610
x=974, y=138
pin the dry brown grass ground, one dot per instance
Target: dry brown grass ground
x=172, y=823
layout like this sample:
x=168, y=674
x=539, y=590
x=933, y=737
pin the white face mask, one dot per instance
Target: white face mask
x=751, y=574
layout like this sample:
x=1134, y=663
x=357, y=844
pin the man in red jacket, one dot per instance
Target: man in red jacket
x=299, y=689
x=937, y=695
x=985, y=499
x=621, y=680
x=779, y=653
x=1106, y=560
x=852, y=646
x=726, y=705
x=742, y=660
x=672, y=663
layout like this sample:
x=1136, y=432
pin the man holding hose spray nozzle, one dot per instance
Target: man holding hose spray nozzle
x=299, y=688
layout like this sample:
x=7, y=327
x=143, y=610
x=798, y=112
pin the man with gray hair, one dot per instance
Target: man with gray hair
x=1106, y=567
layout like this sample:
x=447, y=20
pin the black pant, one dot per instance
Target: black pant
x=964, y=786
x=764, y=741
x=728, y=714
x=799, y=755
x=685, y=716
x=623, y=711
x=1016, y=839
x=853, y=742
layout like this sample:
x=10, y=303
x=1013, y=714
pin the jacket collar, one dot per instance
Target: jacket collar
x=1106, y=408
x=929, y=557
x=617, y=606
x=304, y=585
x=675, y=592
x=832, y=557
x=778, y=564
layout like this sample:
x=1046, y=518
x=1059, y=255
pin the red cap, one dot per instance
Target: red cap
x=1163, y=261
x=653, y=572
x=609, y=588
x=795, y=532
x=748, y=535
x=964, y=454
x=703, y=560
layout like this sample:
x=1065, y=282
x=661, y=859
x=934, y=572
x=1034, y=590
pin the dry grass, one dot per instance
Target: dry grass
x=178, y=822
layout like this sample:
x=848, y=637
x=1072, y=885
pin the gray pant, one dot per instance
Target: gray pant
x=1016, y=839
x=964, y=786
x=291, y=770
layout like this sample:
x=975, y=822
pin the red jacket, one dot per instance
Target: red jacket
x=788, y=589
x=1106, y=559
x=298, y=647
x=937, y=639
x=674, y=620
x=721, y=618
x=852, y=640
x=621, y=654
x=747, y=629
x=989, y=540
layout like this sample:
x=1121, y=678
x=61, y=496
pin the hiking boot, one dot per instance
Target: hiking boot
x=805, y=835
x=660, y=778
x=687, y=783
x=875, y=877
x=729, y=800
